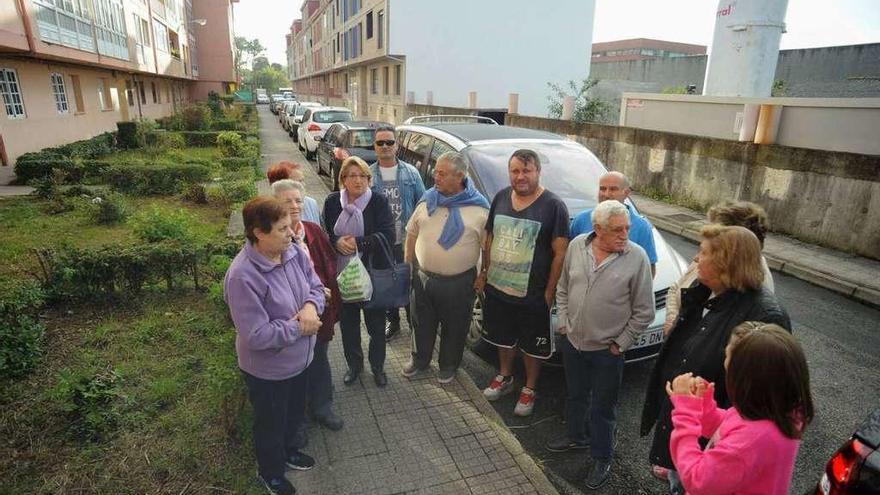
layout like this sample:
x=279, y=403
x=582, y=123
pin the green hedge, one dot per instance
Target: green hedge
x=201, y=139
x=127, y=134
x=155, y=178
x=237, y=163
x=39, y=164
x=21, y=333
x=77, y=275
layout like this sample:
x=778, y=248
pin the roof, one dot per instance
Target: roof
x=483, y=132
x=365, y=124
x=633, y=43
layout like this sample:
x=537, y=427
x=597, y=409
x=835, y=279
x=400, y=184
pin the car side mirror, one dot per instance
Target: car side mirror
x=297, y=120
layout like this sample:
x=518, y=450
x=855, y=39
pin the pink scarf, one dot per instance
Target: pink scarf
x=350, y=221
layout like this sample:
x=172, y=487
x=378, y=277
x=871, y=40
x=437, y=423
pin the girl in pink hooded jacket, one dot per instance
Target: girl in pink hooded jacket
x=751, y=446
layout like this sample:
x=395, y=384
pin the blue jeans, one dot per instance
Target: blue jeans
x=593, y=380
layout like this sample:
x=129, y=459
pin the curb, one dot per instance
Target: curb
x=849, y=289
x=525, y=462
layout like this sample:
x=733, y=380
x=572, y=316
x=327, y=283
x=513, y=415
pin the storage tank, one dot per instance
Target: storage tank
x=745, y=47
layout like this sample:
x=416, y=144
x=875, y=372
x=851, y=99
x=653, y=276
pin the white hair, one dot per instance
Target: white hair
x=624, y=180
x=607, y=209
x=284, y=185
x=455, y=159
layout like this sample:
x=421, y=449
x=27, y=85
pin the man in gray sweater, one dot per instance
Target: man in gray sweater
x=605, y=300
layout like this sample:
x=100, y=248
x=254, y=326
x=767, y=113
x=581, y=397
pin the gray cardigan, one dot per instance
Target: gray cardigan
x=613, y=302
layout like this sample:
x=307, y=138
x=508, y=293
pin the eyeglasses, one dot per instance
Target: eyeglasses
x=385, y=142
x=357, y=176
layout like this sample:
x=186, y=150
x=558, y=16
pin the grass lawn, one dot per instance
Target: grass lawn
x=190, y=152
x=140, y=394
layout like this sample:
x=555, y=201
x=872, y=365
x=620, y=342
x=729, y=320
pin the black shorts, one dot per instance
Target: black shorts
x=526, y=326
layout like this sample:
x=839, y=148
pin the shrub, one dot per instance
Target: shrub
x=70, y=158
x=108, y=209
x=21, y=333
x=159, y=224
x=230, y=143
x=128, y=135
x=237, y=163
x=228, y=193
x=196, y=117
x=157, y=178
x=30, y=167
x=47, y=187
x=225, y=125
x=92, y=400
x=195, y=193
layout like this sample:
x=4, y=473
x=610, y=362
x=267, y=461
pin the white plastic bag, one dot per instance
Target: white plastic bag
x=354, y=282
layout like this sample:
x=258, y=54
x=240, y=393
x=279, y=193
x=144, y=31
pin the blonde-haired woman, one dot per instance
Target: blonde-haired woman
x=729, y=291
x=354, y=218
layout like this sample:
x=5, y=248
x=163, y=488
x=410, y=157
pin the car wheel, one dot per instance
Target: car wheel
x=310, y=155
x=299, y=144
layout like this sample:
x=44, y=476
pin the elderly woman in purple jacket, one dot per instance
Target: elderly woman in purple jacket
x=275, y=297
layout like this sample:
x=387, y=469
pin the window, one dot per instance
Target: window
x=369, y=24
x=360, y=38
x=66, y=22
x=129, y=93
x=374, y=81
x=380, y=27
x=142, y=38
x=110, y=28
x=58, y=91
x=173, y=44
x=11, y=92
x=143, y=94
x=416, y=149
x=104, y=98
x=153, y=90
x=346, y=82
x=77, y=94
x=397, y=82
x=160, y=32
x=385, y=82
x=438, y=149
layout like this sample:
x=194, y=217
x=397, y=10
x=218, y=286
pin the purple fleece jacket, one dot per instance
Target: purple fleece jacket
x=263, y=297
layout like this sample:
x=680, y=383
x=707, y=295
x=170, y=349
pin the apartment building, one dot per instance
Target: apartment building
x=71, y=69
x=374, y=56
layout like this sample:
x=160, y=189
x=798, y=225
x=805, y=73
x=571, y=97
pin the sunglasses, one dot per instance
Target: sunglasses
x=385, y=142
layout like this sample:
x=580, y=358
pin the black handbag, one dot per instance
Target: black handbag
x=390, y=285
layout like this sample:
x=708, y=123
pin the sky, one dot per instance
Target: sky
x=809, y=23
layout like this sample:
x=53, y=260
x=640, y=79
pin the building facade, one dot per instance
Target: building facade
x=375, y=56
x=642, y=49
x=71, y=69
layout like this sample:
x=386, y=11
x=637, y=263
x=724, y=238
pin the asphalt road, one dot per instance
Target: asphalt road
x=840, y=337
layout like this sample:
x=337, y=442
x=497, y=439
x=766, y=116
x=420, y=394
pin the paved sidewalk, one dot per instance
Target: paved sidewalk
x=6, y=191
x=414, y=436
x=851, y=275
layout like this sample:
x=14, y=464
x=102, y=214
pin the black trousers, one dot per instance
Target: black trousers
x=350, y=324
x=445, y=303
x=279, y=408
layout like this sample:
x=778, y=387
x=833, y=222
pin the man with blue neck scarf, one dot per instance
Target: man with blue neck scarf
x=443, y=242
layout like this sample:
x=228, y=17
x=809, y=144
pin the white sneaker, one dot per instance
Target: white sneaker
x=526, y=402
x=499, y=387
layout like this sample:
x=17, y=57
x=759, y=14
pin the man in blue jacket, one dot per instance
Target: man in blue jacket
x=402, y=184
x=615, y=185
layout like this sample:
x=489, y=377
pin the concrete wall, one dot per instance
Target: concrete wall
x=851, y=71
x=837, y=124
x=823, y=197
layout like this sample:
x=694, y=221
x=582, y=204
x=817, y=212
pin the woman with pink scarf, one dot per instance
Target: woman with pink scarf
x=354, y=217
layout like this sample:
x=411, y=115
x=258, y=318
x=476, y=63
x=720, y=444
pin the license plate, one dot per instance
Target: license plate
x=649, y=337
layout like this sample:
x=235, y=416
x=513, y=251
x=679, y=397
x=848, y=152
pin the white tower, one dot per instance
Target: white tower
x=745, y=47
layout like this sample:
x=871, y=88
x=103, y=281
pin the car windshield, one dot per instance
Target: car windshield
x=362, y=138
x=332, y=116
x=567, y=169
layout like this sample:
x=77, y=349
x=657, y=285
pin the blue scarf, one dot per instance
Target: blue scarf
x=454, y=227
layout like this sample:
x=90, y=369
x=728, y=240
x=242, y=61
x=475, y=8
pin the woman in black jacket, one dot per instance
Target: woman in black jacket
x=728, y=292
x=354, y=217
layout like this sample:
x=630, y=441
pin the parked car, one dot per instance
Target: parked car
x=278, y=104
x=345, y=139
x=568, y=169
x=286, y=109
x=315, y=122
x=855, y=468
x=262, y=99
x=294, y=117
x=273, y=99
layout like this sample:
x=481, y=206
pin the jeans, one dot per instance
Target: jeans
x=350, y=324
x=675, y=486
x=593, y=380
x=320, y=382
x=278, y=412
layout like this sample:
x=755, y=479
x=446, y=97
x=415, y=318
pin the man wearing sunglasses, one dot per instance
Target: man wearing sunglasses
x=401, y=183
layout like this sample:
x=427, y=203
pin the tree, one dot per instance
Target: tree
x=260, y=63
x=279, y=67
x=586, y=108
x=271, y=79
x=243, y=46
